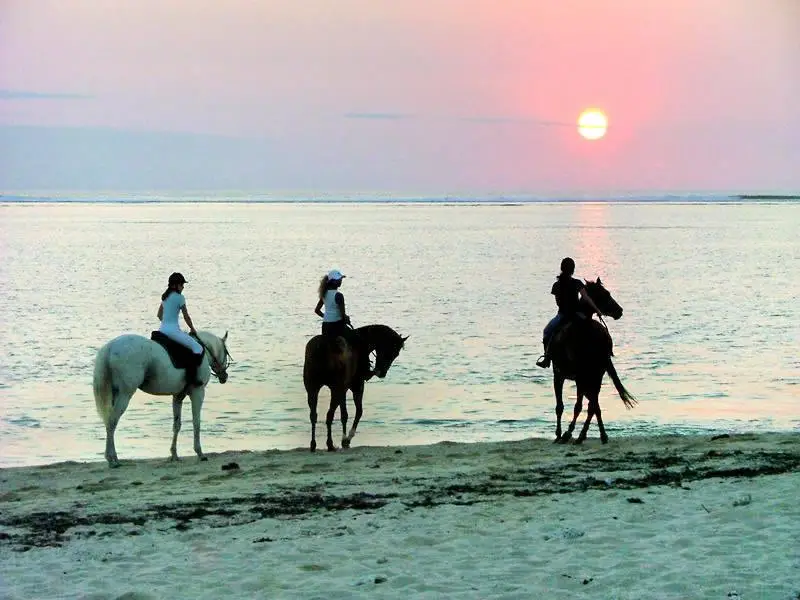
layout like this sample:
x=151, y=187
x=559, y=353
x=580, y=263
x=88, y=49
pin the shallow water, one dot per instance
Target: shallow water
x=708, y=341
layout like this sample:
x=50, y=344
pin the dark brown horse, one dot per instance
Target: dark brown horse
x=581, y=351
x=333, y=363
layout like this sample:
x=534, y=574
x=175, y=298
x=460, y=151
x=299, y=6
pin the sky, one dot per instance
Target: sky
x=411, y=96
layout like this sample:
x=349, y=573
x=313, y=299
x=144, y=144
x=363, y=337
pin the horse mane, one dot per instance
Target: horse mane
x=378, y=329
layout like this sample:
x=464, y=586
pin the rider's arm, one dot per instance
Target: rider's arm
x=340, y=302
x=588, y=299
x=160, y=312
x=188, y=319
x=318, y=308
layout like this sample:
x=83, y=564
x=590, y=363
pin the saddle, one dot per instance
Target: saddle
x=180, y=355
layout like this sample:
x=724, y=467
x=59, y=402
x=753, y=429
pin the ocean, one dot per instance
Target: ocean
x=709, y=340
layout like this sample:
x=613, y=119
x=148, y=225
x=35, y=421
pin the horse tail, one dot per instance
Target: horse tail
x=627, y=398
x=103, y=391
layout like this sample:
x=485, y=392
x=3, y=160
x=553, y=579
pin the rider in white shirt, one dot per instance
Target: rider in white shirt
x=173, y=303
x=336, y=322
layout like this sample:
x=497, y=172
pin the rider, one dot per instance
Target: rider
x=336, y=322
x=567, y=291
x=172, y=303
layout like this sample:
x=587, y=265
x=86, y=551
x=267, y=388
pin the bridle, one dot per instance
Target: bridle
x=217, y=368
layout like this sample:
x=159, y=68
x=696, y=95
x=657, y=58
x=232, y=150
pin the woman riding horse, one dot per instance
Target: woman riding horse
x=173, y=303
x=567, y=291
x=336, y=322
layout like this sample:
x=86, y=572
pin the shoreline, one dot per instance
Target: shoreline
x=376, y=519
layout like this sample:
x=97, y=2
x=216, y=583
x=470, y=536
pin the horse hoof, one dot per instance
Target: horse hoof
x=345, y=443
x=565, y=438
x=604, y=439
x=203, y=459
x=579, y=441
x=331, y=448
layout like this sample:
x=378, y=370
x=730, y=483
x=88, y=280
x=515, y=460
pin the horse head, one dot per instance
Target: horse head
x=603, y=299
x=218, y=356
x=386, y=343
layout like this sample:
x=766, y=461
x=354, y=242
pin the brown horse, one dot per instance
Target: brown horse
x=334, y=363
x=581, y=351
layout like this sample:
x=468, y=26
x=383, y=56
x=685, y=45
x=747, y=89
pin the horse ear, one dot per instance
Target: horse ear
x=225, y=337
x=599, y=282
x=403, y=338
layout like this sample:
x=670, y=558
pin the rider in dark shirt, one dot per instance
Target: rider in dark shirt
x=567, y=291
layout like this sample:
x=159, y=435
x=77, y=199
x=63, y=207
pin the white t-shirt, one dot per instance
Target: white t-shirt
x=172, y=307
x=332, y=311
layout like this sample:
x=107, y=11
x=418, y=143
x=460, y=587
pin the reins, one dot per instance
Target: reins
x=215, y=365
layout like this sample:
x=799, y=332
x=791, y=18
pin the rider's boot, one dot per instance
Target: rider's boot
x=544, y=360
x=192, y=380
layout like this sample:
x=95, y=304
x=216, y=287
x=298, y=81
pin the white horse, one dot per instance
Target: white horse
x=130, y=362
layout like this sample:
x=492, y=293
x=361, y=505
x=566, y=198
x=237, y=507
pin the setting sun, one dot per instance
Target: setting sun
x=592, y=124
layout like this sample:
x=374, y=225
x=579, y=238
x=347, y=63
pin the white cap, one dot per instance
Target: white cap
x=335, y=275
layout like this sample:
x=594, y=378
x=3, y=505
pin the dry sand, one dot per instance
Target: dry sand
x=655, y=517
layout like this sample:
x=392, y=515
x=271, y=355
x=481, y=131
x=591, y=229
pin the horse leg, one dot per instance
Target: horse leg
x=358, y=396
x=197, y=395
x=599, y=417
x=592, y=397
x=177, y=405
x=313, y=397
x=343, y=417
x=337, y=399
x=558, y=387
x=575, y=414
x=120, y=401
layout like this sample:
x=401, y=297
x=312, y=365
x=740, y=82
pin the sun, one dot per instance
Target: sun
x=592, y=124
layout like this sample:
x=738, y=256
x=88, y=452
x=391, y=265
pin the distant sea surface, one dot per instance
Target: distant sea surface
x=709, y=340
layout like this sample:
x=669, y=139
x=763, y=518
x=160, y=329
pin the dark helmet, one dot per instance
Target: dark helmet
x=177, y=279
x=568, y=266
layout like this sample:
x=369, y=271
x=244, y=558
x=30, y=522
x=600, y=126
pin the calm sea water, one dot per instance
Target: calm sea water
x=709, y=339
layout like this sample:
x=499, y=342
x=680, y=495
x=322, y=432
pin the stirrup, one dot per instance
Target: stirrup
x=543, y=362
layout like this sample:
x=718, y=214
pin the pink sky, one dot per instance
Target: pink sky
x=440, y=95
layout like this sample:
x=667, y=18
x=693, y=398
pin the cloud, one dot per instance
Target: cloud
x=480, y=120
x=28, y=95
x=385, y=116
x=489, y=120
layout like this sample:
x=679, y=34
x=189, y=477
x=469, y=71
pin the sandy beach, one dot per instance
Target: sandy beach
x=648, y=517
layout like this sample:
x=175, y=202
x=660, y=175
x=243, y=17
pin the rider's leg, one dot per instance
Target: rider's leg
x=549, y=330
x=355, y=342
x=191, y=370
x=186, y=340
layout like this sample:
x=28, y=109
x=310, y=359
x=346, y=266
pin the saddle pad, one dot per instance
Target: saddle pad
x=180, y=355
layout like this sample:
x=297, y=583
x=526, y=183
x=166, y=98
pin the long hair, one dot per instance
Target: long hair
x=567, y=268
x=323, y=287
x=167, y=292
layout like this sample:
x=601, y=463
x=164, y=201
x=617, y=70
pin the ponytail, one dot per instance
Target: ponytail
x=166, y=294
x=323, y=287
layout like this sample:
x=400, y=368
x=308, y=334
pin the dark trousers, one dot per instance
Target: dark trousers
x=557, y=322
x=336, y=328
x=551, y=328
